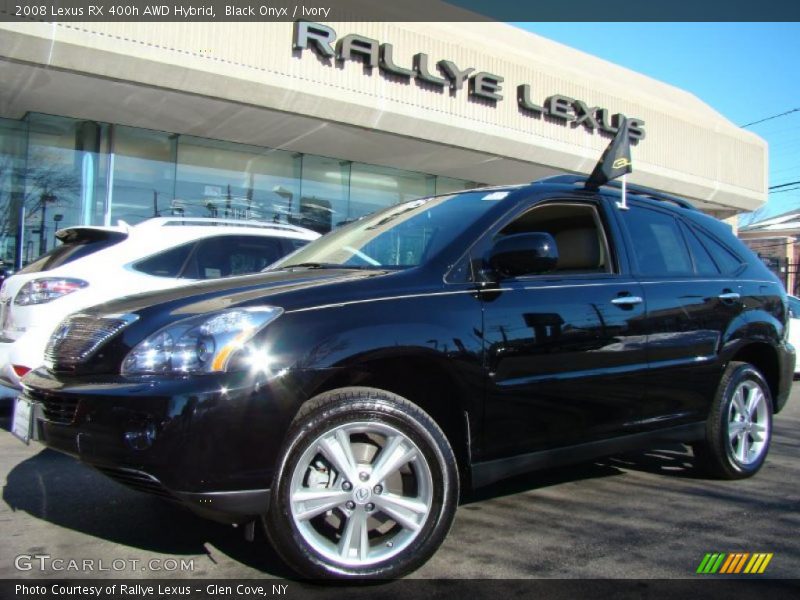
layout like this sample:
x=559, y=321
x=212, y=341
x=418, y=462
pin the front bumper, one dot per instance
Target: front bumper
x=208, y=442
x=8, y=379
x=27, y=350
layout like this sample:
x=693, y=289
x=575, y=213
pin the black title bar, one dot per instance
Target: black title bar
x=397, y=10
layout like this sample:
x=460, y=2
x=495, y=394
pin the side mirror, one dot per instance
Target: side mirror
x=523, y=254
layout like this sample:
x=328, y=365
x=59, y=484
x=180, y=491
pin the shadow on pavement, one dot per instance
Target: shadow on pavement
x=539, y=479
x=58, y=489
x=674, y=460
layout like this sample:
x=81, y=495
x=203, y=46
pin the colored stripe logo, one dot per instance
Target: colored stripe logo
x=734, y=563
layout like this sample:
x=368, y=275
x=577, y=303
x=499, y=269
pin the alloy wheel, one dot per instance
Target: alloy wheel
x=748, y=423
x=361, y=493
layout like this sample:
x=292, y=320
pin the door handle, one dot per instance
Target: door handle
x=627, y=300
x=729, y=296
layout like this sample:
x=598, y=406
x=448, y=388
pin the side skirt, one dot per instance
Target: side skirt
x=484, y=473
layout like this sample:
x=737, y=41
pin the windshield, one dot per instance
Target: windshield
x=66, y=253
x=399, y=237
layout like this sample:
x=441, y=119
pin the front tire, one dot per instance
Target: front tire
x=367, y=487
x=739, y=427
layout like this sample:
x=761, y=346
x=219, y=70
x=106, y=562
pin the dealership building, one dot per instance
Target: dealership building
x=319, y=124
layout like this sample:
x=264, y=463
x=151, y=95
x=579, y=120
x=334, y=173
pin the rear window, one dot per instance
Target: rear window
x=726, y=260
x=66, y=253
x=703, y=263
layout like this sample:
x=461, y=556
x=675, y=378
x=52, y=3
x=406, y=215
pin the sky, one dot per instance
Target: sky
x=746, y=71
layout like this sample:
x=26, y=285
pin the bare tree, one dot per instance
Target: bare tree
x=39, y=184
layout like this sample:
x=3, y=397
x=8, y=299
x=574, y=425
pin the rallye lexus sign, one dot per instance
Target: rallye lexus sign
x=481, y=85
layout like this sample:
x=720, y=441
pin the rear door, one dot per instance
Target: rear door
x=564, y=351
x=692, y=301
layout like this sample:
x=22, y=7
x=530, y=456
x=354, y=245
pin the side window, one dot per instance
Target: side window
x=166, y=264
x=577, y=230
x=728, y=262
x=658, y=246
x=294, y=244
x=229, y=255
x=703, y=263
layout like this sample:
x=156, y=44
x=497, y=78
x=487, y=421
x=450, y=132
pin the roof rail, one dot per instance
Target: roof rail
x=566, y=179
x=637, y=190
x=640, y=190
x=164, y=221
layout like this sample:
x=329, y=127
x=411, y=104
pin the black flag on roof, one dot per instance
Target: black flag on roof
x=616, y=159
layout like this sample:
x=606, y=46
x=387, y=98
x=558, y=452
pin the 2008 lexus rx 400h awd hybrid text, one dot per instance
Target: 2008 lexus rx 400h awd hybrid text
x=346, y=396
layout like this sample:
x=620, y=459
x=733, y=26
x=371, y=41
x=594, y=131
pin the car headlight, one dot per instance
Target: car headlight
x=46, y=289
x=204, y=344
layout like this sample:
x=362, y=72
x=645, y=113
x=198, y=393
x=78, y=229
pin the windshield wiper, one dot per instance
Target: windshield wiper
x=312, y=265
x=318, y=265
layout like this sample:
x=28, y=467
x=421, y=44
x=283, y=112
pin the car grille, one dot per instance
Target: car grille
x=78, y=337
x=56, y=409
x=137, y=480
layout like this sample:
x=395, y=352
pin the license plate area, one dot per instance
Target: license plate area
x=22, y=423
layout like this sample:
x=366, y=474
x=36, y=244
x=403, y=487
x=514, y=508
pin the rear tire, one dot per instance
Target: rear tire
x=739, y=426
x=367, y=487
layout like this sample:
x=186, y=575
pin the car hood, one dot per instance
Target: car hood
x=290, y=289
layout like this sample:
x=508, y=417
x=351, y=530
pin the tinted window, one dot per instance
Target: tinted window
x=727, y=261
x=234, y=255
x=295, y=244
x=658, y=245
x=166, y=264
x=403, y=235
x=703, y=263
x=577, y=231
x=66, y=253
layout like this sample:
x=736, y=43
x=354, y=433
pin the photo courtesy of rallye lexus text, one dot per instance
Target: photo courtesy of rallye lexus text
x=348, y=395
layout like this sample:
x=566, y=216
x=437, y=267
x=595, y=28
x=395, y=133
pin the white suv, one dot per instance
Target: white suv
x=97, y=264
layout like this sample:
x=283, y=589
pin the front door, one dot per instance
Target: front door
x=564, y=351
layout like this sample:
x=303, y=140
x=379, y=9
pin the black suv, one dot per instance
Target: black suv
x=349, y=393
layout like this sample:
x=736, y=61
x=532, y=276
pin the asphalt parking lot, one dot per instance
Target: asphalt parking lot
x=641, y=515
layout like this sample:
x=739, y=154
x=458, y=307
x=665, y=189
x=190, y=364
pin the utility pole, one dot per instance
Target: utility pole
x=46, y=197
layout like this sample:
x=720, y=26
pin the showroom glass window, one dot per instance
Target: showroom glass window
x=324, y=202
x=67, y=172
x=144, y=174
x=448, y=185
x=65, y=179
x=235, y=181
x=13, y=149
x=373, y=188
